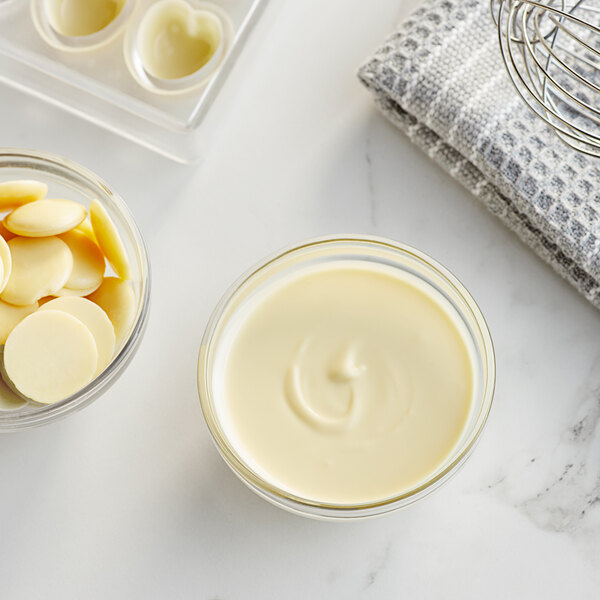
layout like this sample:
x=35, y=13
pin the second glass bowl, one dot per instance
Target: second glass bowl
x=338, y=250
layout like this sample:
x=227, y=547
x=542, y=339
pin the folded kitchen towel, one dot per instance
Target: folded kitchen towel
x=440, y=78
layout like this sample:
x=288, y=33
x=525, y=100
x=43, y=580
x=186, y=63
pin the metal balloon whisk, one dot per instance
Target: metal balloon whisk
x=551, y=49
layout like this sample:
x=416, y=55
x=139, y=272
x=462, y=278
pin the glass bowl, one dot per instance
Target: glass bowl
x=70, y=180
x=334, y=250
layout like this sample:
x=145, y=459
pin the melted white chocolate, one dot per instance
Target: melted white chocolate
x=175, y=40
x=345, y=384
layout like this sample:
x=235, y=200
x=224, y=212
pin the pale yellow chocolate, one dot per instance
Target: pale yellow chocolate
x=8, y=399
x=175, y=41
x=116, y=298
x=6, y=261
x=45, y=218
x=88, y=262
x=19, y=192
x=40, y=267
x=77, y=18
x=5, y=233
x=11, y=315
x=345, y=384
x=95, y=319
x=109, y=240
x=51, y=256
x=86, y=228
x=49, y=356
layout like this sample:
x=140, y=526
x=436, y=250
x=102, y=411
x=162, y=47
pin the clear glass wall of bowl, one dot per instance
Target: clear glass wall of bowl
x=351, y=248
x=70, y=180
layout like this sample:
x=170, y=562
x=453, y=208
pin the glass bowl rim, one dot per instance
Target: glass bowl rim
x=318, y=509
x=15, y=421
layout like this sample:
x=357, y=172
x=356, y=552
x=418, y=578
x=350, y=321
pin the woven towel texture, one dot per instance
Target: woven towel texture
x=440, y=78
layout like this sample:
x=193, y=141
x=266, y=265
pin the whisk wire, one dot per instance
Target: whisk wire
x=549, y=115
x=552, y=56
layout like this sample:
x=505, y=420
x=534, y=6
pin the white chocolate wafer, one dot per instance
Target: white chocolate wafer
x=95, y=319
x=116, y=298
x=6, y=261
x=11, y=316
x=109, y=240
x=49, y=356
x=19, y=192
x=88, y=262
x=45, y=217
x=40, y=267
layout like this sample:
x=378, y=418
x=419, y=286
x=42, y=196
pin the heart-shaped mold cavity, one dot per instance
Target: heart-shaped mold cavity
x=78, y=18
x=175, y=40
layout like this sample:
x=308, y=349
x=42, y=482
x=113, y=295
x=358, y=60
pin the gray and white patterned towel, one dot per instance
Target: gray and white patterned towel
x=440, y=78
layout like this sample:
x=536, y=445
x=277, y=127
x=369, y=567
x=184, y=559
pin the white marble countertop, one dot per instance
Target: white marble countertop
x=129, y=499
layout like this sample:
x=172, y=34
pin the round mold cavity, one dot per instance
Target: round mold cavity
x=86, y=34
x=137, y=46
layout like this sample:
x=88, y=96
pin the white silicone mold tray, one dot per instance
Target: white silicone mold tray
x=103, y=83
